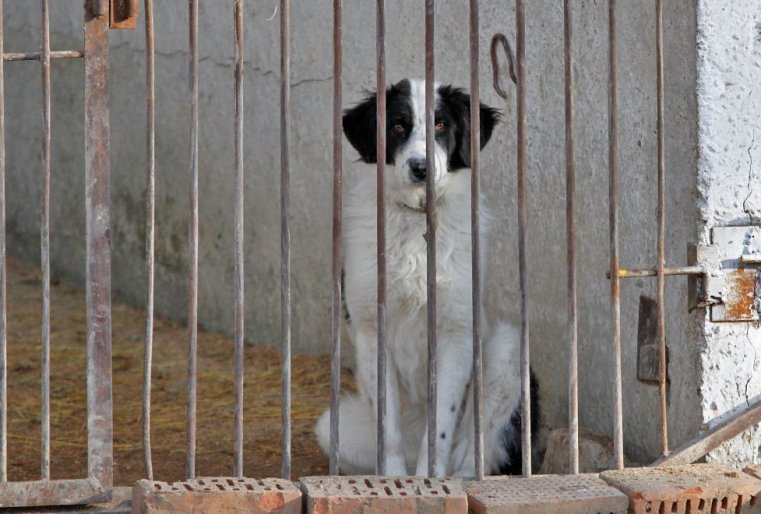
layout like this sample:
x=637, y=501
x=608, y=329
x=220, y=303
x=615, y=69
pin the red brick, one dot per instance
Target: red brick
x=543, y=494
x=697, y=488
x=217, y=495
x=371, y=495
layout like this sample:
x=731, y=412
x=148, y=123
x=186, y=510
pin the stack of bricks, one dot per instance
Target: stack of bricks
x=693, y=489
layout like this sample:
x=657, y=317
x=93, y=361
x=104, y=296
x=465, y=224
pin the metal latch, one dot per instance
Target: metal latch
x=732, y=271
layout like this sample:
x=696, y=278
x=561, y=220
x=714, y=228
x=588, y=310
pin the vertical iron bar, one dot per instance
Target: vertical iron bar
x=190, y=461
x=285, y=234
x=430, y=217
x=661, y=230
x=570, y=165
x=520, y=17
x=335, y=357
x=150, y=224
x=45, y=242
x=475, y=195
x=98, y=222
x=3, y=326
x=239, y=262
x=380, y=49
x=615, y=283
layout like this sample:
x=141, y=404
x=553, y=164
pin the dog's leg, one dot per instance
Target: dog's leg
x=367, y=369
x=453, y=371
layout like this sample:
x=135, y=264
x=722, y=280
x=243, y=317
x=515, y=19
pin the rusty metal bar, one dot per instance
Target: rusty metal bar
x=335, y=356
x=615, y=285
x=240, y=313
x=497, y=40
x=661, y=231
x=380, y=50
x=37, y=56
x=737, y=423
x=45, y=244
x=639, y=273
x=3, y=319
x=430, y=237
x=52, y=492
x=190, y=458
x=150, y=238
x=100, y=435
x=475, y=195
x=520, y=22
x=285, y=234
x=570, y=166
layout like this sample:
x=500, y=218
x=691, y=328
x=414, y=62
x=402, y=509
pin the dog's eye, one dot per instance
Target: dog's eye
x=440, y=126
x=398, y=128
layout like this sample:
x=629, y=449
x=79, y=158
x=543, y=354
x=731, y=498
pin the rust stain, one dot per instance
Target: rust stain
x=742, y=289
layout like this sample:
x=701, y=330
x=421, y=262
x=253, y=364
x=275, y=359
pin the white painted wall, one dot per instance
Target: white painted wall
x=729, y=136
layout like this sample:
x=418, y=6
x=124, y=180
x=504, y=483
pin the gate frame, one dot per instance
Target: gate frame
x=97, y=487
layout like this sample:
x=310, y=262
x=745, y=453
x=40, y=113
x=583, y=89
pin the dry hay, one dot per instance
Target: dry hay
x=311, y=394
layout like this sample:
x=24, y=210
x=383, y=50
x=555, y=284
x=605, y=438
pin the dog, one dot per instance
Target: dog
x=406, y=304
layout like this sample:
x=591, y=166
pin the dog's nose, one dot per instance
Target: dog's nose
x=417, y=170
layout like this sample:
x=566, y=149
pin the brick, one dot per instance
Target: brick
x=696, y=488
x=381, y=495
x=542, y=494
x=217, y=495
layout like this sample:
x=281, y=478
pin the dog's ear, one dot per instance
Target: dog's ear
x=359, y=124
x=458, y=102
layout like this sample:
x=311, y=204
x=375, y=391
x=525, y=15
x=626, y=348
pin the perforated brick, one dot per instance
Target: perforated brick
x=217, y=495
x=369, y=495
x=541, y=494
x=697, y=488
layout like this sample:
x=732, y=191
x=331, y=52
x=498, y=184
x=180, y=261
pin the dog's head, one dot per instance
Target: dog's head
x=405, y=134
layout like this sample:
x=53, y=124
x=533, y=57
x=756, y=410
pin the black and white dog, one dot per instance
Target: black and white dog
x=406, y=438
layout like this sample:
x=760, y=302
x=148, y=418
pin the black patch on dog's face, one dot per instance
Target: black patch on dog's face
x=360, y=122
x=454, y=108
x=452, y=118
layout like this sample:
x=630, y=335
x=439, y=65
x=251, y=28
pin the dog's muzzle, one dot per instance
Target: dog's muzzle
x=417, y=170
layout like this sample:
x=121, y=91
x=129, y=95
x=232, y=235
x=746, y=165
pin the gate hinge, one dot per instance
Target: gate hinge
x=731, y=283
x=122, y=14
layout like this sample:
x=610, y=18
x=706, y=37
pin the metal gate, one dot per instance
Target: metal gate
x=97, y=485
x=99, y=16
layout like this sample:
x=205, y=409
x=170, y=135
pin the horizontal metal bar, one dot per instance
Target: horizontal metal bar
x=52, y=492
x=35, y=56
x=638, y=273
x=752, y=259
x=712, y=438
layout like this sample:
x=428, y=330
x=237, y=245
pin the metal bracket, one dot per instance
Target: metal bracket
x=123, y=14
x=731, y=280
x=97, y=8
x=648, y=361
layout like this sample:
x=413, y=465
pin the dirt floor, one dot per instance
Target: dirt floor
x=311, y=394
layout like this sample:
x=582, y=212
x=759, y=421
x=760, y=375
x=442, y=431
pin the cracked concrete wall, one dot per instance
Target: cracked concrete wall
x=729, y=100
x=311, y=174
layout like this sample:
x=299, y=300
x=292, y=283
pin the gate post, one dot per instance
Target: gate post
x=729, y=185
x=97, y=178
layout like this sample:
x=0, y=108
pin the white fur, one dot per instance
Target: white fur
x=406, y=308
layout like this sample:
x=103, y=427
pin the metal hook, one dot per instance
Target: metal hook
x=500, y=38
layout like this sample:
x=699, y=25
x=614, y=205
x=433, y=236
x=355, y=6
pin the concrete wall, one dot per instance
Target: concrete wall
x=729, y=72
x=311, y=174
